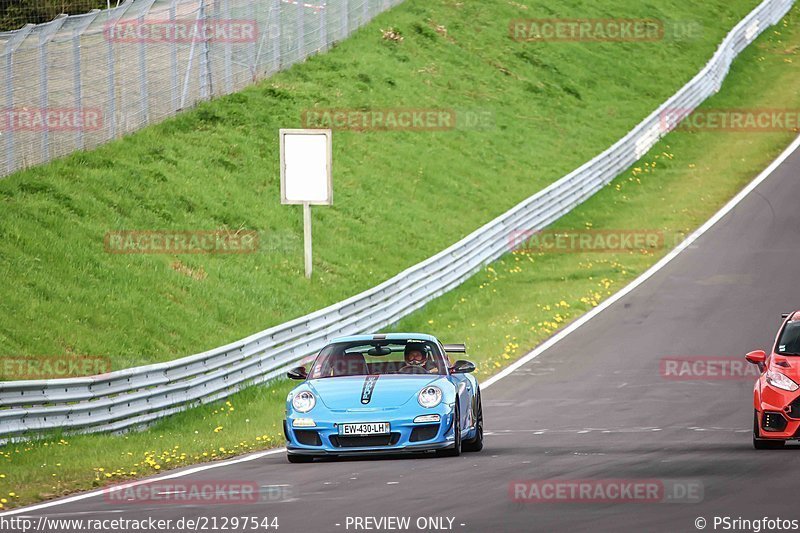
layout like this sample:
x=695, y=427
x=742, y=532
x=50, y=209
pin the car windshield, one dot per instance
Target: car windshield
x=789, y=343
x=362, y=358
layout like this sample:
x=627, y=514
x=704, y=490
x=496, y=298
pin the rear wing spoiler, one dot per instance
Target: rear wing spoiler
x=455, y=348
x=784, y=316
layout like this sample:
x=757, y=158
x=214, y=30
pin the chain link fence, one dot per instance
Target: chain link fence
x=14, y=14
x=81, y=80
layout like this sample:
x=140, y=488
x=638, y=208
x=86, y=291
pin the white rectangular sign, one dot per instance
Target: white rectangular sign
x=306, y=167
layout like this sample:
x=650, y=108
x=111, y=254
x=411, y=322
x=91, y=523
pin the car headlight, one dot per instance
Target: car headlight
x=776, y=379
x=303, y=401
x=430, y=396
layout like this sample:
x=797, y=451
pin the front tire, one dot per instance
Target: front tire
x=455, y=451
x=476, y=444
x=764, y=444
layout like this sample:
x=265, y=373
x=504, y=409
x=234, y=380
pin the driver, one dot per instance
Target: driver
x=415, y=359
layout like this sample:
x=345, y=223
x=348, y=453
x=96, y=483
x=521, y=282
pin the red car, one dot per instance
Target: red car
x=776, y=397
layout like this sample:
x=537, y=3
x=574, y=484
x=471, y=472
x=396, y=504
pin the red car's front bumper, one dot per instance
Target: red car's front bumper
x=778, y=412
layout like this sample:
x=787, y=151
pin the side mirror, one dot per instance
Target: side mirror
x=462, y=367
x=757, y=357
x=297, y=373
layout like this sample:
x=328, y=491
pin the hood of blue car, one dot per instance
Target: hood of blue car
x=369, y=392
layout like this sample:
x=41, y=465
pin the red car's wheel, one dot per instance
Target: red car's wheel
x=764, y=444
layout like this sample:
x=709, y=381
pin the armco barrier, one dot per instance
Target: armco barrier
x=135, y=396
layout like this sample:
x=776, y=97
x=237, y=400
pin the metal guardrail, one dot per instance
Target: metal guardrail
x=127, y=398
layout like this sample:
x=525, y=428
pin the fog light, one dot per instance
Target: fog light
x=303, y=423
x=422, y=419
x=773, y=421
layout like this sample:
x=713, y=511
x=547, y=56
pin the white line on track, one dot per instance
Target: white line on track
x=182, y=473
x=552, y=341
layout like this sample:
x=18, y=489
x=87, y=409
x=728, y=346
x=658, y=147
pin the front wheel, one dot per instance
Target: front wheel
x=476, y=444
x=455, y=451
x=764, y=444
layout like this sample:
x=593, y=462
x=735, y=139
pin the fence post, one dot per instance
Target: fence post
x=205, y=76
x=228, y=60
x=323, y=27
x=46, y=33
x=112, y=17
x=173, y=57
x=251, y=49
x=345, y=23
x=275, y=27
x=11, y=46
x=301, y=31
x=144, y=102
x=77, y=31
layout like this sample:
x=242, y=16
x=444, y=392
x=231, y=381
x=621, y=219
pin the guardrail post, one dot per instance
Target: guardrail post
x=11, y=46
x=46, y=33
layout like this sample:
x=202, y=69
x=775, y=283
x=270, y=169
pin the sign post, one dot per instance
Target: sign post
x=306, y=178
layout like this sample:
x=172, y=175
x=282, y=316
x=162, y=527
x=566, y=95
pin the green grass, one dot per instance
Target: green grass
x=502, y=312
x=60, y=464
x=552, y=106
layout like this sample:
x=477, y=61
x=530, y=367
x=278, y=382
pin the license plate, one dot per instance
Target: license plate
x=367, y=428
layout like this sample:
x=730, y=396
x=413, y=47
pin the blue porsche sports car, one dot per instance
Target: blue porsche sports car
x=393, y=393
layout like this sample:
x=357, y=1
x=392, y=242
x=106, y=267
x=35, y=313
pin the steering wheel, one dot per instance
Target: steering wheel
x=411, y=369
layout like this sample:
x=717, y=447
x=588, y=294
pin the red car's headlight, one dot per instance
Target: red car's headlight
x=778, y=380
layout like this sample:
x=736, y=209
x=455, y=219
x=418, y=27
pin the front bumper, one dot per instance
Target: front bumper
x=405, y=435
x=778, y=414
